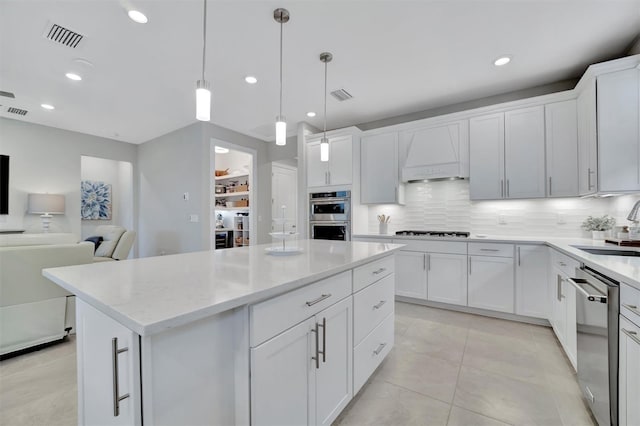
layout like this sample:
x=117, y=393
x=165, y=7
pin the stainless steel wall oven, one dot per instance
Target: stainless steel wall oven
x=330, y=215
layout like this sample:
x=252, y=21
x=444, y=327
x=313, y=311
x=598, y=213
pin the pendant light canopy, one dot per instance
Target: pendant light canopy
x=325, y=57
x=281, y=16
x=203, y=88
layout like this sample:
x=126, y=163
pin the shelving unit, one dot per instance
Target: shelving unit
x=241, y=232
x=232, y=194
x=232, y=176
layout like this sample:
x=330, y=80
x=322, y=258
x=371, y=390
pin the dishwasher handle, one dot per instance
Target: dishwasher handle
x=580, y=284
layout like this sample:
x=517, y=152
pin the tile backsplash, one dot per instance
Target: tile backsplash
x=446, y=206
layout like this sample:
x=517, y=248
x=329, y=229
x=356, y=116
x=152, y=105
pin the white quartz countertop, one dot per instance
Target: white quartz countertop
x=152, y=294
x=620, y=268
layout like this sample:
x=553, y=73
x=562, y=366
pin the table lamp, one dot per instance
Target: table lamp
x=46, y=205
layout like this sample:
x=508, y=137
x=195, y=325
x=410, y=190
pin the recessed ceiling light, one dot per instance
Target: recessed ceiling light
x=138, y=16
x=504, y=60
x=311, y=114
x=221, y=150
x=73, y=76
x=47, y=106
x=251, y=79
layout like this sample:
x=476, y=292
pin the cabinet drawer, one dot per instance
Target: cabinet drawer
x=368, y=355
x=372, y=272
x=630, y=303
x=491, y=249
x=371, y=305
x=432, y=246
x=275, y=315
x=565, y=263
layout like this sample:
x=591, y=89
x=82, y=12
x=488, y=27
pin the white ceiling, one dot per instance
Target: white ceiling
x=394, y=57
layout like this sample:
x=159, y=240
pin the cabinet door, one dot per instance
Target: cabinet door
x=334, y=378
x=629, y=368
x=559, y=307
x=283, y=378
x=379, y=169
x=340, y=161
x=411, y=274
x=447, y=278
x=96, y=352
x=587, y=140
x=571, y=337
x=491, y=283
x=532, y=297
x=317, y=171
x=618, y=130
x=486, y=157
x=524, y=153
x=561, y=127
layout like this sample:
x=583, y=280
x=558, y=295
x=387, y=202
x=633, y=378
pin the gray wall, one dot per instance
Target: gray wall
x=179, y=162
x=47, y=160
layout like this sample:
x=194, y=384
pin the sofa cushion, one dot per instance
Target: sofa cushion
x=96, y=241
x=17, y=240
x=110, y=235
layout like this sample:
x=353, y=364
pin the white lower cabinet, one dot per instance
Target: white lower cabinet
x=532, y=290
x=564, y=315
x=491, y=283
x=629, y=373
x=108, y=365
x=447, y=278
x=369, y=353
x=304, y=375
x=411, y=274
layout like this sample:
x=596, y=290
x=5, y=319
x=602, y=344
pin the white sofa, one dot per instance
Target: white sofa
x=33, y=310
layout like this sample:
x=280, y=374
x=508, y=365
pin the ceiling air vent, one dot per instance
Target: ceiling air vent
x=7, y=94
x=62, y=35
x=18, y=111
x=341, y=95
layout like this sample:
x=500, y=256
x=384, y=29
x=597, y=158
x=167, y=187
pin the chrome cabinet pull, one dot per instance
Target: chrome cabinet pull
x=428, y=262
x=486, y=249
x=469, y=265
x=562, y=264
x=507, y=188
x=632, y=335
x=318, y=300
x=518, y=256
x=578, y=283
x=379, y=271
x=501, y=188
x=317, y=357
x=324, y=340
x=379, y=305
x=632, y=308
x=424, y=262
x=591, y=172
x=116, y=385
x=550, y=185
x=380, y=348
x=559, y=295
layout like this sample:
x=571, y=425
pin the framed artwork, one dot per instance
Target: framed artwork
x=95, y=200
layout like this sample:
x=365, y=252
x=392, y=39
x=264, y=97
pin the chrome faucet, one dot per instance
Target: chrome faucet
x=635, y=212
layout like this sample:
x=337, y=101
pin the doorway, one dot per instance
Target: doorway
x=284, y=197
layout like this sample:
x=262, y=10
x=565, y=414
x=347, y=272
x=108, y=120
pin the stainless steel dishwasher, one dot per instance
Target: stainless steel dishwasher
x=597, y=309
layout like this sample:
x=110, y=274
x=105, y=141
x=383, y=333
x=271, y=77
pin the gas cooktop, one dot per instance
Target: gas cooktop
x=435, y=233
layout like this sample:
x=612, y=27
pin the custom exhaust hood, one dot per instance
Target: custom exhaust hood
x=435, y=153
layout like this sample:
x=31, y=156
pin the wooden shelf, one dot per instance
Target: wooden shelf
x=231, y=176
x=240, y=209
x=232, y=194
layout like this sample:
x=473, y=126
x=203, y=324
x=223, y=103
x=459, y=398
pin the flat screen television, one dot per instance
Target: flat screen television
x=4, y=184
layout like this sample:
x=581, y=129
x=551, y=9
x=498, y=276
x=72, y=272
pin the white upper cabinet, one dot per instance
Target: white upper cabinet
x=618, y=99
x=336, y=171
x=587, y=140
x=379, y=169
x=440, y=151
x=562, y=149
x=524, y=153
x=486, y=152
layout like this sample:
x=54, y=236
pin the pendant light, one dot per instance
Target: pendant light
x=281, y=16
x=325, y=57
x=203, y=92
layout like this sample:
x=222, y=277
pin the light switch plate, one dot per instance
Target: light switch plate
x=194, y=218
x=561, y=218
x=502, y=219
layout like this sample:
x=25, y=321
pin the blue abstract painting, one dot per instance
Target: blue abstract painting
x=95, y=200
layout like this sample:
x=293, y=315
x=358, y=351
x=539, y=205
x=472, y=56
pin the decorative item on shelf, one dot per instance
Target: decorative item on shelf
x=219, y=221
x=46, y=205
x=221, y=202
x=231, y=204
x=222, y=172
x=383, y=223
x=220, y=189
x=599, y=226
x=242, y=203
x=242, y=188
x=282, y=249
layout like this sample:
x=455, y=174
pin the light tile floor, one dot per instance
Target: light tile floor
x=447, y=368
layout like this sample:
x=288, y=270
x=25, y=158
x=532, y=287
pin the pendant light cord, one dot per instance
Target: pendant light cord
x=281, y=23
x=325, y=100
x=204, y=37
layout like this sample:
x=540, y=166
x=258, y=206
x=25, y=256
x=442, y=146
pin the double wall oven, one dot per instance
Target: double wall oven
x=330, y=215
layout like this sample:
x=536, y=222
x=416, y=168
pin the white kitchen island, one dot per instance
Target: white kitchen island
x=230, y=336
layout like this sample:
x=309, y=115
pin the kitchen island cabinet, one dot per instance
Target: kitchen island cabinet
x=185, y=348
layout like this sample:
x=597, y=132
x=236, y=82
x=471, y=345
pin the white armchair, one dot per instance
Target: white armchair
x=116, y=243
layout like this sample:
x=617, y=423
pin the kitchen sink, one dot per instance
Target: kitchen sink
x=611, y=252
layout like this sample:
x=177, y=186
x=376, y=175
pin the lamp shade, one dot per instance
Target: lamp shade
x=46, y=203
